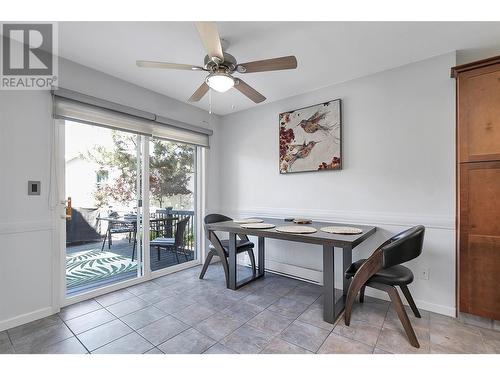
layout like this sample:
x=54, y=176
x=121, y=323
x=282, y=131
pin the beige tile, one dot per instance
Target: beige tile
x=114, y=297
x=453, y=336
x=162, y=330
x=218, y=326
x=129, y=344
x=104, y=334
x=261, y=299
x=305, y=335
x=68, y=346
x=314, y=315
x=397, y=342
x=279, y=346
x=247, y=340
x=193, y=314
x=36, y=339
x=336, y=344
x=127, y=306
x=141, y=318
x=188, y=342
x=219, y=349
x=154, y=351
x=359, y=331
x=270, y=321
x=88, y=321
x=243, y=311
x=290, y=308
x=78, y=309
x=175, y=303
x=371, y=313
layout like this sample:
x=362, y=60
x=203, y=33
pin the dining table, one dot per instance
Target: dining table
x=344, y=243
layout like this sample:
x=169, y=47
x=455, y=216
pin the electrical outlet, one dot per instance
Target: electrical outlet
x=424, y=274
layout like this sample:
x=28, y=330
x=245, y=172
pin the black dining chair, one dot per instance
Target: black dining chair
x=176, y=244
x=221, y=247
x=383, y=271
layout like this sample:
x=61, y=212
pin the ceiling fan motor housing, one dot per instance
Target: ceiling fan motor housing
x=212, y=63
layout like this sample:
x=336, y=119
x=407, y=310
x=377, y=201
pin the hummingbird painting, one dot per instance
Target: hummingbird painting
x=300, y=151
x=312, y=125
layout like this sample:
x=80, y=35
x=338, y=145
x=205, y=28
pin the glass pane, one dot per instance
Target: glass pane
x=102, y=176
x=172, y=181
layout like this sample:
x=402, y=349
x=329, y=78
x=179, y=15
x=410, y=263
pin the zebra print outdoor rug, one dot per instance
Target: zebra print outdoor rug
x=95, y=265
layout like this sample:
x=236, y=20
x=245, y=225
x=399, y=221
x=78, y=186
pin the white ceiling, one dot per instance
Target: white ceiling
x=327, y=52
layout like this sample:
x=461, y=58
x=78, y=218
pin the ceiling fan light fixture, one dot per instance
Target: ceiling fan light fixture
x=220, y=81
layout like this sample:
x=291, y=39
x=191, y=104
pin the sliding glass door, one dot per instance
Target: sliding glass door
x=106, y=172
x=103, y=169
x=172, y=203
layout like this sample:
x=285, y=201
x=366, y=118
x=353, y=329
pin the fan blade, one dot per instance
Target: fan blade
x=279, y=63
x=166, y=65
x=249, y=91
x=199, y=93
x=210, y=38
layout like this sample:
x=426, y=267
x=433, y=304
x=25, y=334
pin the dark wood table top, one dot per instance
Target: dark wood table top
x=318, y=238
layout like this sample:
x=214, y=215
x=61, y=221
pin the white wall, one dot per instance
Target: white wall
x=398, y=160
x=27, y=248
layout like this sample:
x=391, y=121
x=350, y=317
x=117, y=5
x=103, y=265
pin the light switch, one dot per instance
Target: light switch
x=33, y=187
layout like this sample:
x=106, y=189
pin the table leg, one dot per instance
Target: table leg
x=329, y=313
x=232, y=261
x=347, y=261
x=262, y=261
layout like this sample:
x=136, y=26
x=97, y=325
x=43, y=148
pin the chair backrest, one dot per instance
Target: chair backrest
x=180, y=231
x=216, y=218
x=403, y=247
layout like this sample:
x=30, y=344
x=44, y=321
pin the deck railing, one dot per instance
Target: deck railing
x=177, y=215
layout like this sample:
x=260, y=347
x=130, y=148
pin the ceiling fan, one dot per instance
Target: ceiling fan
x=221, y=66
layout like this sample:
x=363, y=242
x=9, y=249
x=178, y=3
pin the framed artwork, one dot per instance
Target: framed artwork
x=311, y=138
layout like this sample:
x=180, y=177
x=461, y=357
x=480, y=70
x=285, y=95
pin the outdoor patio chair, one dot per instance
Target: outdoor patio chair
x=175, y=244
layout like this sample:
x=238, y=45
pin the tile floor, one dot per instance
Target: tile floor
x=179, y=313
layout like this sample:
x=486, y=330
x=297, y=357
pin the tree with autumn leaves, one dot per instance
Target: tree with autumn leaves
x=170, y=169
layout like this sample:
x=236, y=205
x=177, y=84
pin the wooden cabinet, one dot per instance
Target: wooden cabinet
x=478, y=187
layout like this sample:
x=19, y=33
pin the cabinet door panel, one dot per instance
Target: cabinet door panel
x=480, y=239
x=479, y=114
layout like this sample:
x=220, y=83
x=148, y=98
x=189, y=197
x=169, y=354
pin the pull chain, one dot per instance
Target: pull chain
x=210, y=101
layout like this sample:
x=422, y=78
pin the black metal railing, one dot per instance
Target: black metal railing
x=167, y=225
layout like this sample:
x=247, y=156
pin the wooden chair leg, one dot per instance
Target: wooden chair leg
x=411, y=302
x=206, y=264
x=252, y=260
x=403, y=317
x=362, y=294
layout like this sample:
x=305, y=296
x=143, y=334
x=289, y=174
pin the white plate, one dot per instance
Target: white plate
x=248, y=221
x=257, y=226
x=342, y=230
x=296, y=229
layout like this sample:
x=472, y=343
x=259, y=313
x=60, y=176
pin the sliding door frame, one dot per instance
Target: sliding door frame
x=59, y=297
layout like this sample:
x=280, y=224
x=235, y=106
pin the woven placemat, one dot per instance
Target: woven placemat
x=257, y=226
x=296, y=229
x=342, y=230
x=248, y=221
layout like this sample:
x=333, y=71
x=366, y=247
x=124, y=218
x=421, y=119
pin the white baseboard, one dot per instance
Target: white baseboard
x=26, y=318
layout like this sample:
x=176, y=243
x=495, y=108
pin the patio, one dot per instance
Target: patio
x=87, y=267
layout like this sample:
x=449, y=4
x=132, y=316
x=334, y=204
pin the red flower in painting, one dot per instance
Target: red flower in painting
x=335, y=164
x=286, y=137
